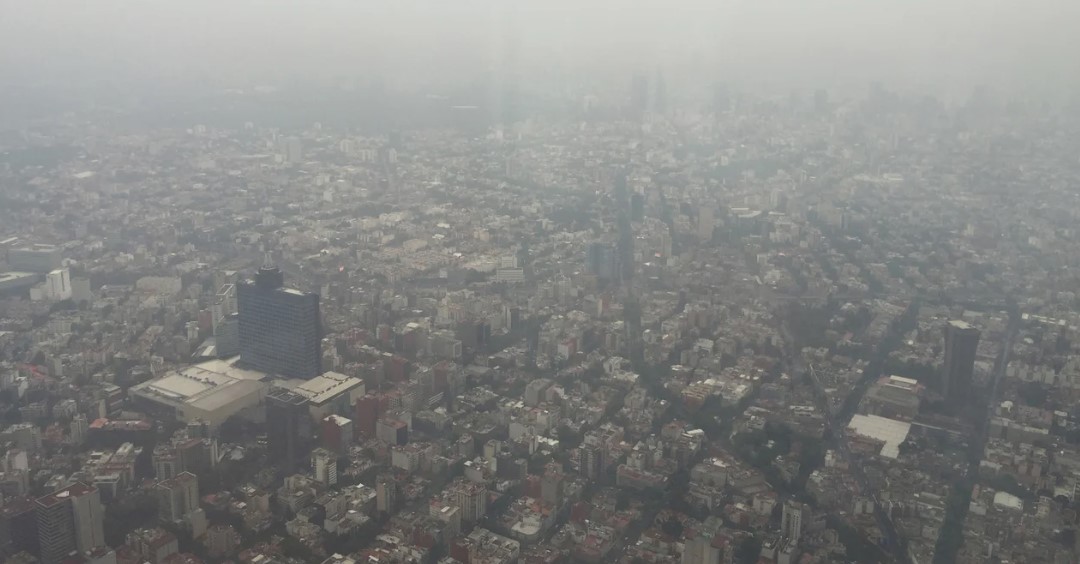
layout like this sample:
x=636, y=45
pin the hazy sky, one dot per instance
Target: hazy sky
x=944, y=43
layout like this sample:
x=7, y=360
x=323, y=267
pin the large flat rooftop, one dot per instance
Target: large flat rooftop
x=889, y=431
x=207, y=385
x=326, y=387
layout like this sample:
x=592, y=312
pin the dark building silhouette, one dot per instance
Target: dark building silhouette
x=637, y=207
x=961, y=343
x=18, y=526
x=279, y=328
x=289, y=432
x=601, y=261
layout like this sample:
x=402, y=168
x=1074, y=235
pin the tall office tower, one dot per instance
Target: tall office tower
x=791, y=522
x=289, y=433
x=961, y=343
x=177, y=497
x=280, y=329
x=385, y=493
x=324, y=464
x=68, y=520
x=601, y=261
x=706, y=223
x=637, y=207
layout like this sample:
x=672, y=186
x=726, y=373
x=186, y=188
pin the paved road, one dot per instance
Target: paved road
x=839, y=427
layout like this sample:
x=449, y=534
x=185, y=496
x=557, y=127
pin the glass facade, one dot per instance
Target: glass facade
x=280, y=330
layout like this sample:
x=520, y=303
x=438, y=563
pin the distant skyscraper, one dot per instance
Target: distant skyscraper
x=68, y=520
x=601, y=260
x=706, y=224
x=637, y=207
x=279, y=328
x=961, y=344
x=289, y=431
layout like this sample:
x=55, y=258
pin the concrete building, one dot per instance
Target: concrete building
x=227, y=336
x=392, y=431
x=69, y=519
x=894, y=397
x=288, y=432
x=795, y=515
x=35, y=258
x=471, y=499
x=210, y=391
x=17, y=281
x=58, y=285
x=324, y=465
x=702, y=550
x=329, y=394
x=336, y=433
x=153, y=545
x=385, y=493
x=79, y=428
x=177, y=497
x=221, y=540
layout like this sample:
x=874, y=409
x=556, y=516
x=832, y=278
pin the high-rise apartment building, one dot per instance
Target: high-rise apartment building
x=324, y=464
x=71, y=519
x=79, y=427
x=793, y=518
x=961, y=344
x=177, y=497
x=471, y=499
x=385, y=493
x=280, y=330
x=289, y=431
